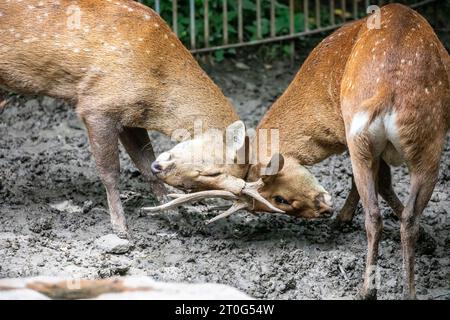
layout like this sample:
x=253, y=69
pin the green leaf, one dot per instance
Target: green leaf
x=219, y=55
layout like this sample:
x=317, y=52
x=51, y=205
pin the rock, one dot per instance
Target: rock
x=87, y=206
x=49, y=103
x=21, y=294
x=113, y=244
x=176, y=291
x=392, y=283
x=123, y=288
x=242, y=66
x=426, y=244
x=66, y=206
x=32, y=104
x=115, y=265
x=43, y=223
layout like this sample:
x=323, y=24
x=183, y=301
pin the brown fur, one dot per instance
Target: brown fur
x=122, y=69
x=410, y=82
x=313, y=99
x=136, y=69
x=401, y=68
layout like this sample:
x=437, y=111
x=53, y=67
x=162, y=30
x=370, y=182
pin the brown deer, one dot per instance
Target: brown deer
x=383, y=94
x=121, y=67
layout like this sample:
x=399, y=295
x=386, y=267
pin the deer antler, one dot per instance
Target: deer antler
x=235, y=207
x=3, y=103
x=247, y=195
x=190, y=197
x=251, y=189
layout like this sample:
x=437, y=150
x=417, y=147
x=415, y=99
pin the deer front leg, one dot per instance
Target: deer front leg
x=348, y=210
x=137, y=144
x=3, y=100
x=104, y=138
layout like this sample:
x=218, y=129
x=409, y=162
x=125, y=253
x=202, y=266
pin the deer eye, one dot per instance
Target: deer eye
x=210, y=173
x=214, y=174
x=281, y=200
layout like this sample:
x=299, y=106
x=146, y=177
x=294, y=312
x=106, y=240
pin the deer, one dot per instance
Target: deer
x=381, y=93
x=121, y=67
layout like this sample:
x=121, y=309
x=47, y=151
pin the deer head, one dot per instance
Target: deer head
x=290, y=187
x=216, y=165
x=208, y=161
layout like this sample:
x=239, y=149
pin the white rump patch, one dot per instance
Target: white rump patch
x=390, y=125
x=382, y=129
x=359, y=122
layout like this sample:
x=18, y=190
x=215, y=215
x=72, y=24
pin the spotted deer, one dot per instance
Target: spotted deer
x=383, y=94
x=122, y=68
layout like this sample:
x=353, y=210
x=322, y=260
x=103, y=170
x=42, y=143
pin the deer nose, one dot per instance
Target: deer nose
x=324, y=205
x=156, y=167
x=328, y=200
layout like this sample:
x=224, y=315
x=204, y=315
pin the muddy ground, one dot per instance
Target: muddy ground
x=53, y=208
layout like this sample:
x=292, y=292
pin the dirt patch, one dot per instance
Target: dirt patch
x=53, y=208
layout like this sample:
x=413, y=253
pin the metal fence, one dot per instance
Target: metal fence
x=337, y=13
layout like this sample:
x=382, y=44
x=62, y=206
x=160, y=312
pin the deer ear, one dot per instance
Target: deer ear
x=235, y=140
x=211, y=172
x=274, y=166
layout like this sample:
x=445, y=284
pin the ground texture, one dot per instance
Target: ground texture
x=53, y=209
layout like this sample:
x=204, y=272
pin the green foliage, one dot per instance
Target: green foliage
x=215, y=17
x=250, y=27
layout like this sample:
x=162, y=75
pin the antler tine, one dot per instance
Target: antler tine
x=3, y=103
x=176, y=195
x=183, y=198
x=251, y=189
x=235, y=207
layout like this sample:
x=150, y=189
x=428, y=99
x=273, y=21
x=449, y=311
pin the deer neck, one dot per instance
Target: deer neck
x=188, y=100
x=308, y=115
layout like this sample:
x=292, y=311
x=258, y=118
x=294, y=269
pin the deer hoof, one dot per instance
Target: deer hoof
x=409, y=296
x=121, y=232
x=370, y=294
x=340, y=224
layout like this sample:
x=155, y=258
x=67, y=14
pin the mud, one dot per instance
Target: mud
x=53, y=209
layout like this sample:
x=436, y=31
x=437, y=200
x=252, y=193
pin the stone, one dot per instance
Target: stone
x=111, y=243
x=116, y=288
x=21, y=294
x=32, y=104
x=49, y=103
x=87, y=206
x=115, y=265
x=66, y=206
x=242, y=66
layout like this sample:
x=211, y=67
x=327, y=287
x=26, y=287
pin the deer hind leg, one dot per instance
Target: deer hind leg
x=365, y=165
x=137, y=144
x=104, y=138
x=423, y=181
x=385, y=190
